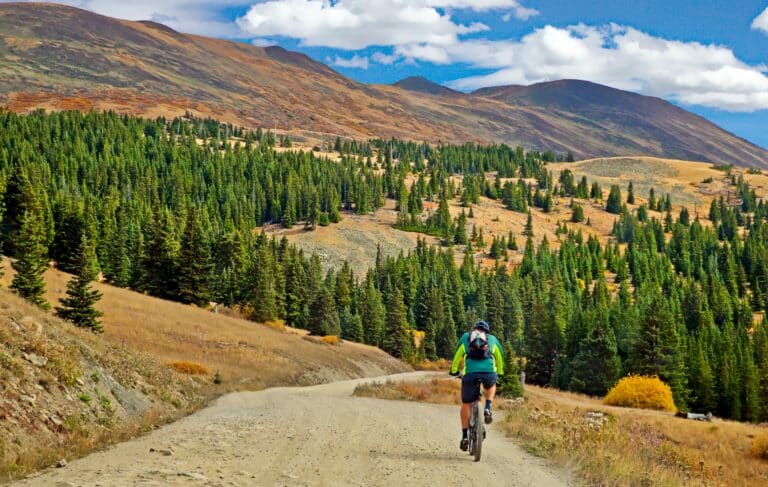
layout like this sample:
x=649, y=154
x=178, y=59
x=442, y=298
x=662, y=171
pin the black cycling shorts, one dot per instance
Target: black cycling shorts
x=470, y=385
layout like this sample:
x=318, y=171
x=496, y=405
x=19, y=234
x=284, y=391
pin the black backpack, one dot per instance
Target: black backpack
x=479, y=348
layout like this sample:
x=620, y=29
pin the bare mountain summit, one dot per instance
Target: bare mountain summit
x=58, y=57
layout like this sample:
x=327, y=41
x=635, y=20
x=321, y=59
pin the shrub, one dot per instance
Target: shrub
x=439, y=364
x=278, y=325
x=637, y=391
x=190, y=368
x=760, y=446
x=330, y=339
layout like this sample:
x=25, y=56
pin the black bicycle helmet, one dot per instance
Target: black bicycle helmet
x=483, y=325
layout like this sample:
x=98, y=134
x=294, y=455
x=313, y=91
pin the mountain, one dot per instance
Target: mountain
x=60, y=57
x=630, y=120
x=420, y=84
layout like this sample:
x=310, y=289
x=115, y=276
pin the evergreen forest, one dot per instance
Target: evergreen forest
x=173, y=208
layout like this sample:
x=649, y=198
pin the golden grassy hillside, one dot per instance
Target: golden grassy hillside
x=247, y=354
x=156, y=361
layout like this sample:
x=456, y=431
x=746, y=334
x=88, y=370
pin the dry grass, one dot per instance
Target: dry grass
x=437, y=391
x=331, y=340
x=611, y=446
x=682, y=179
x=354, y=239
x=146, y=341
x=760, y=446
x=248, y=355
x=636, y=391
x=439, y=364
x=189, y=368
x=278, y=325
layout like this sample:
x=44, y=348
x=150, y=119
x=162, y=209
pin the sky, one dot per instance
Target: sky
x=710, y=57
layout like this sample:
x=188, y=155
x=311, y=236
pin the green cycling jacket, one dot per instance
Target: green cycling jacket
x=493, y=364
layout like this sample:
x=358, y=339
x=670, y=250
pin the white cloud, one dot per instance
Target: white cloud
x=192, y=16
x=357, y=24
x=263, y=42
x=761, y=21
x=382, y=58
x=622, y=57
x=358, y=62
x=518, y=10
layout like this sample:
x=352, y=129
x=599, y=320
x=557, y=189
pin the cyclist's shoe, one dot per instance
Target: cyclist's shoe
x=488, y=416
x=464, y=445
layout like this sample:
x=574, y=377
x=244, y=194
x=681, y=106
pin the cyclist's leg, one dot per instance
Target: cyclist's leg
x=465, y=415
x=490, y=392
x=489, y=383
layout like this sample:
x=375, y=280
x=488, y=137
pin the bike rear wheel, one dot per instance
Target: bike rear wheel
x=478, y=432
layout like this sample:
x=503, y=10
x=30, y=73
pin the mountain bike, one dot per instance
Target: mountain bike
x=476, y=431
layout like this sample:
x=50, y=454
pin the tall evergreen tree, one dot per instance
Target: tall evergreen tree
x=78, y=306
x=656, y=350
x=397, y=339
x=596, y=366
x=323, y=318
x=31, y=260
x=194, y=265
x=613, y=204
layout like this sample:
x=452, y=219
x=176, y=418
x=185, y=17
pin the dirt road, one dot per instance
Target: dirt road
x=319, y=435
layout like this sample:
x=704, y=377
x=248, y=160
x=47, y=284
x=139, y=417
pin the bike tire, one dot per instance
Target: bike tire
x=478, y=433
x=472, y=427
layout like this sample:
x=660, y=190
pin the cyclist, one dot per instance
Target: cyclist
x=483, y=360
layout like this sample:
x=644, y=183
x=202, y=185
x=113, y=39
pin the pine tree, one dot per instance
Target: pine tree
x=577, y=215
x=372, y=313
x=323, y=318
x=613, y=205
x=596, y=366
x=656, y=350
x=78, y=306
x=528, y=231
x=158, y=263
x=460, y=236
x=194, y=264
x=351, y=326
x=509, y=383
x=263, y=295
x=631, y=194
x=396, y=340
x=31, y=260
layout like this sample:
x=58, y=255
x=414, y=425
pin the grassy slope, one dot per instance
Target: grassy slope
x=623, y=447
x=99, y=389
x=355, y=239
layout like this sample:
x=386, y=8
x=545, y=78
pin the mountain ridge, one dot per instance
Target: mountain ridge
x=59, y=57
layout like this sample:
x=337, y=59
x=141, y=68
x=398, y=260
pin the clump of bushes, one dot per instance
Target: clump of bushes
x=644, y=392
x=189, y=368
x=760, y=446
x=330, y=340
x=278, y=325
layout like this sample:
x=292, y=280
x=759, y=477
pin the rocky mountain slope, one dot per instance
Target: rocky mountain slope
x=58, y=57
